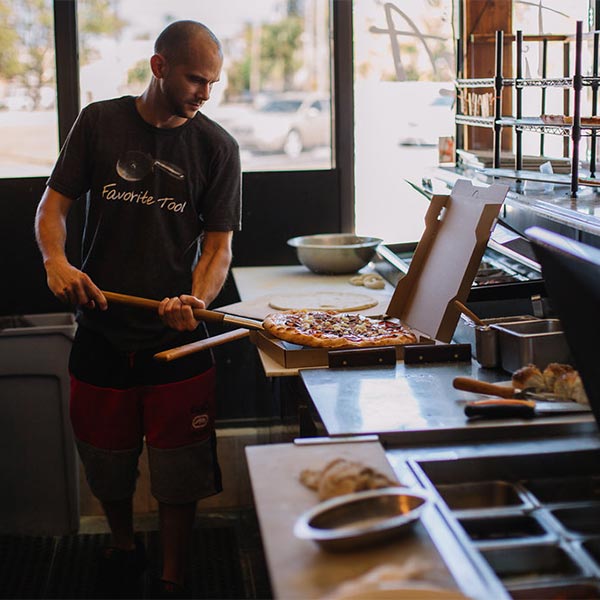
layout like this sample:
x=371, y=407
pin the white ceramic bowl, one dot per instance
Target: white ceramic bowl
x=334, y=253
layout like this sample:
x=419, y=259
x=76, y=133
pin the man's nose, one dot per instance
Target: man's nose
x=204, y=91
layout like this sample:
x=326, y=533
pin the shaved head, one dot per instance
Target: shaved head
x=179, y=39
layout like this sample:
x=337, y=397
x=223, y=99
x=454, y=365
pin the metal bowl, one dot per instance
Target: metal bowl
x=334, y=253
x=361, y=518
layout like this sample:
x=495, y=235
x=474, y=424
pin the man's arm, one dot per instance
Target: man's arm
x=207, y=280
x=66, y=282
x=211, y=271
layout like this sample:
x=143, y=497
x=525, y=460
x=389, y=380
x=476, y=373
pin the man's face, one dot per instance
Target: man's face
x=186, y=86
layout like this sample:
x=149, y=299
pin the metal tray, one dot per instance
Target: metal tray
x=557, y=591
x=534, y=518
x=482, y=495
x=559, y=490
x=579, y=520
x=533, y=342
x=535, y=562
x=483, y=338
x=505, y=529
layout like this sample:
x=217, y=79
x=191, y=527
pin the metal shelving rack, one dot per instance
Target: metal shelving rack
x=572, y=84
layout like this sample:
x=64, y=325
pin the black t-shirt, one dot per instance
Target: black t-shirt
x=150, y=193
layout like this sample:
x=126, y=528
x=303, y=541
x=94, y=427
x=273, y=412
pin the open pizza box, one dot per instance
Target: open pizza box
x=442, y=271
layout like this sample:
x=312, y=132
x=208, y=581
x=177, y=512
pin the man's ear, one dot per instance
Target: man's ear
x=159, y=66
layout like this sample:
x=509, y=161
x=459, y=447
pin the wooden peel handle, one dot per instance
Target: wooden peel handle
x=201, y=314
x=469, y=313
x=483, y=387
x=211, y=342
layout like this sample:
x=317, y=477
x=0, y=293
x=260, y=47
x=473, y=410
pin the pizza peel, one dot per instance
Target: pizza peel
x=201, y=314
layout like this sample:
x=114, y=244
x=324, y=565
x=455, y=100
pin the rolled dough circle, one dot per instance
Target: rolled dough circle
x=339, y=301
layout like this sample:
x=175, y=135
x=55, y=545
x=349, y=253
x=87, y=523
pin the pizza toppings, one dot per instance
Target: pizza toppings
x=332, y=330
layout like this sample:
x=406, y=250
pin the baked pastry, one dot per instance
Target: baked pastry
x=552, y=372
x=341, y=476
x=569, y=385
x=593, y=120
x=529, y=377
x=557, y=119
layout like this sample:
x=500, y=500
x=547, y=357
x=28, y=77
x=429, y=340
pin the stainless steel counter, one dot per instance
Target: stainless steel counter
x=536, y=204
x=416, y=404
x=419, y=418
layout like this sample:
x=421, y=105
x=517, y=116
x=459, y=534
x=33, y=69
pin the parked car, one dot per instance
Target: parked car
x=288, y=123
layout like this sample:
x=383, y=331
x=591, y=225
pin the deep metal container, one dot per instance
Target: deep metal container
x=484, y=338
x=532, y=342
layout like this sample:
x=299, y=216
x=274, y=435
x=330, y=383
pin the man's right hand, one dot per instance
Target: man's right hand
x=72, y=286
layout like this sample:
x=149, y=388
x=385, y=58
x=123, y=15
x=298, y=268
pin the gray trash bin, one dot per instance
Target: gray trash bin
x=39, y=477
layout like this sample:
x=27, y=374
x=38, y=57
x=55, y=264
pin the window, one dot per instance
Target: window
x=276, y=65
x=28, y=118
x=543, y=18
x=404, y=102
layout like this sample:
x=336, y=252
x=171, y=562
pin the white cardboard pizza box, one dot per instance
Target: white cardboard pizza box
x=442, y=271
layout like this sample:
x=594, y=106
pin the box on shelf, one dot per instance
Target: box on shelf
x=40, y=475
x=442, y=271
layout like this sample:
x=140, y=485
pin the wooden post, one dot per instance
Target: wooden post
x=487, y=16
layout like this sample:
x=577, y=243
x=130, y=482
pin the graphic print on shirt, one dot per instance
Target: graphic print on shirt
x=136, y=165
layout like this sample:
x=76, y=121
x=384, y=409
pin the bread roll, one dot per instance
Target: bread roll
x=569, y=385
x=529, y=377
x=552, y=372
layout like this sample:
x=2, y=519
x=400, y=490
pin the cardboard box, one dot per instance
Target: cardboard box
x=442, y=271
x=294, y=356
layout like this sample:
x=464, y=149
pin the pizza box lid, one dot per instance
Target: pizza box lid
x=457, y=230
x=442, y=271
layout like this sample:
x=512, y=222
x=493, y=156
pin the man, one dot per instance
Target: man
x=160, y=180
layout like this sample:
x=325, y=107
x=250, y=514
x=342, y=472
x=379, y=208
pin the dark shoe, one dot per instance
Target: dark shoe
x=168, y=589
x=120, y=571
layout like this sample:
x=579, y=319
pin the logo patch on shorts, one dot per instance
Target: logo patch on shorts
x=199, y=421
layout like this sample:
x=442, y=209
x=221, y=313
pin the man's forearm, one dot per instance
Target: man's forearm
x=211, y=271
x=51, y=228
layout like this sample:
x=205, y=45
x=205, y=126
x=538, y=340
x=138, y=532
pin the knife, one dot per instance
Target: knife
x=467, y=384
x=525, y=409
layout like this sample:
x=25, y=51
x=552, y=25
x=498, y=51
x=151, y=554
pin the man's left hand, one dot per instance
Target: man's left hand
x=177, y=312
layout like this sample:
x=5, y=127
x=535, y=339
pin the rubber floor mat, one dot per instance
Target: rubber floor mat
x=25, y=564
x=66, y=567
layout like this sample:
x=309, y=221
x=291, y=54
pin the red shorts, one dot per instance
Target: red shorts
x=118, y=399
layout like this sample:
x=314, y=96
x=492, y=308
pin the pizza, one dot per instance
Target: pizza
x=331, y=329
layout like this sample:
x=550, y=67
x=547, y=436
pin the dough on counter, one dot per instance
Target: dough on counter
x=338, y=301
x=341, y=476
x=373, y=281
